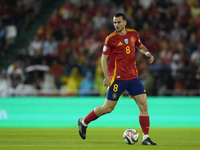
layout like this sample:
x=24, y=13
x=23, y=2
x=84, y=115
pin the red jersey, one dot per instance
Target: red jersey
x=121, y=51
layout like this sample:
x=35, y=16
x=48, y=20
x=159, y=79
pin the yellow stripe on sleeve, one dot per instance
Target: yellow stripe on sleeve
x=109, y=36
x=130, y=30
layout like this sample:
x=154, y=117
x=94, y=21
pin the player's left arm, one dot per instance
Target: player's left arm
x=145, y=51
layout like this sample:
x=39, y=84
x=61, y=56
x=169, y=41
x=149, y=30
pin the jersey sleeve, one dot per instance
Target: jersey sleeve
x=137, y=42
x=106, y=47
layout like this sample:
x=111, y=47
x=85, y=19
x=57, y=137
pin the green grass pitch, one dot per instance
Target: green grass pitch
x=97, y=139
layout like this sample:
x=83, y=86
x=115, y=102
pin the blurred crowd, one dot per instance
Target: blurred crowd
x=16, y=14
x=63, y=58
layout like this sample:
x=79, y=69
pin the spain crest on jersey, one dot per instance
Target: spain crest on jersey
x=132, y=40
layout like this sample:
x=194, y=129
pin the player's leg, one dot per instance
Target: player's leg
x=141, y=101
x=137, y=92
x=143, y=112
x=113, y=94
x=108, y=106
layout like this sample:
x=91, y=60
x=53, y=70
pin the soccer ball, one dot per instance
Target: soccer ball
x=131, y=136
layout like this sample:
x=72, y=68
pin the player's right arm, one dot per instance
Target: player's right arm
x=104, y=60
x=104, y=64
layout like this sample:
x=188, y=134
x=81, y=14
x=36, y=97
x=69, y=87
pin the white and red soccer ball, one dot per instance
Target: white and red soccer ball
x=131, y=136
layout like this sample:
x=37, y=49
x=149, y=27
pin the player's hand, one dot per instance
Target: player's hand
x=107, y=82
x=151, y=58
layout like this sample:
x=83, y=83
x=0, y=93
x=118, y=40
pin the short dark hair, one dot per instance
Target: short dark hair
x=120, y=15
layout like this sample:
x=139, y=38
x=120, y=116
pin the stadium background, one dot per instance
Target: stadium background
x=50, y=59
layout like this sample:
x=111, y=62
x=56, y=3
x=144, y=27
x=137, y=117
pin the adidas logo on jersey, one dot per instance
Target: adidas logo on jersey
x=120, y=43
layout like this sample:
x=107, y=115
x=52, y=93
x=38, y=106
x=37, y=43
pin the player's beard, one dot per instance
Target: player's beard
x=120, y=30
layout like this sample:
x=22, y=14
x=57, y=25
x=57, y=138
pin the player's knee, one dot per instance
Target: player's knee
x=110, y=109
x=143, y=102
x=143, y=106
